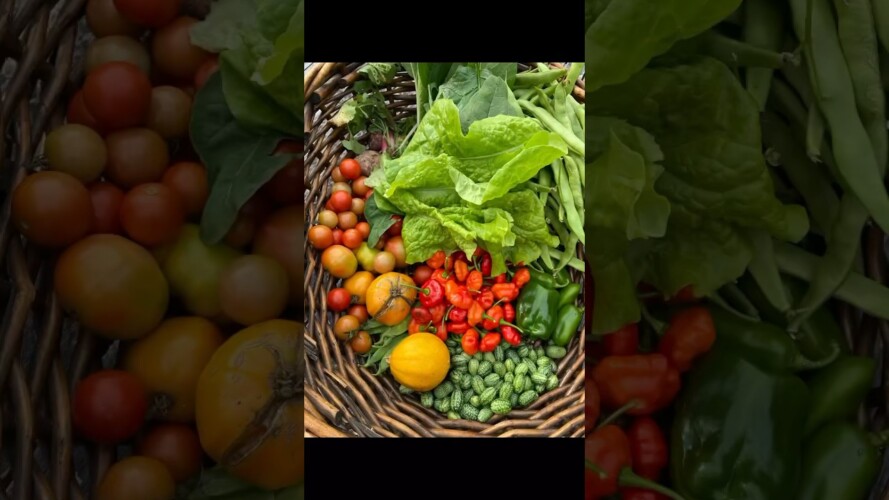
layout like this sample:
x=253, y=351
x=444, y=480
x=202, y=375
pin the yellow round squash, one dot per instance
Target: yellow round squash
x=420, y=362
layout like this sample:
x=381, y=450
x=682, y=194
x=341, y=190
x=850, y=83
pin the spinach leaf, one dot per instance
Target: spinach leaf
x=380, y=220
x=626, y=34
x=481, y=91
x=379, y=73
x=239, y=160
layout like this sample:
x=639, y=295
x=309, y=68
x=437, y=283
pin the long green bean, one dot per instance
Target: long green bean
x=570, y=243
x=809, y=179
x=553, y=124
x=881, y=17
x=574, y=184
x=732, y=52
x=836, y=99
x=560, y=108
x=574, y=72
x=764, y=28
x=574, y=262
x=572, y=218
x=764, y=271
x=561, y=230
x=816, y=130
x=857, y=290
x=539, y=78
x=858, y=38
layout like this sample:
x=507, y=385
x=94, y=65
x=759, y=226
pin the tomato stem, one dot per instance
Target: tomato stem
x=619, y=412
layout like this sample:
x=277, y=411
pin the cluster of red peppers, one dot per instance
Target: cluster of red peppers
x=462, y=298
x=627, y=382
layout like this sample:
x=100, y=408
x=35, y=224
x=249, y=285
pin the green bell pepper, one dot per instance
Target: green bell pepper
x=542, y=278
x=737, y=430
x=537, y=309
x=566, y=326
x=838, y=390
x=840, y=464
x=562, y=278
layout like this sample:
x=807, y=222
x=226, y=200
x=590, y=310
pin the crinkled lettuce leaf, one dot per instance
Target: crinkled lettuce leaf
x=626, y=34
x=461, y=190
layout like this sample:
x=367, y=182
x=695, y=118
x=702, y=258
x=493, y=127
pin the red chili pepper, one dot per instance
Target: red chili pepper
x=474, y=281
x=500, y=278
x=437, y=260
x=648, y=447
x=486, y=265
x=454, y=257
x=486, y=298
x=508, y=312
x=490, y=342
x=441, y=276
x=479, y=251
x=457, y=315
x=458, y=295
x=521, y=277
x=414, y=326
x=505, y=291
x=476, y=312
x=641, y=494
x=442, y=333
x=684, y=296
x=623, y=342
x=591, y=403
x=437, y=312
x=608, y=450
x=461, y=270
x=469, y=342
x=648, y=380
x=493, y=317
x=690, y=334
x=511, y=335
x=431, y=294
x=421, y=314
x=458, y=327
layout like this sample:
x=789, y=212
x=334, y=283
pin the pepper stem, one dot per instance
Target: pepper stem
x=657, y=325
x=628, y=478
x=593, y=467
x=503, y=322
x=617, y=413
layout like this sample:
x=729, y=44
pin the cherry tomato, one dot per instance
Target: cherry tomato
x=149, y=13
x=77, y=113
x=118, y=95
x=341, y=201
x=395, y=229
x=341, y=186
x=384, y=262
x=359, y=311
x=350, y=168
x=253, y=289
x=152, y=214
x=109, y=406
x=321, y=236
x=117, y=48
x=104, y=19
x=170, y=112
x=338, y=299
x=347, y=220
x=359, y=188
x=421, y=274
x=361, y=342
x=106, y=200
x=76, y=150
x=352, y=238
x=189, y=180
x=328, y=218
x=175, y=445
x=52, y=209
x=337, y=175
x=210, y=66
x=174, y=54
x=364, y=229
x=345, y=326
x=137, y=478
x=337, y=236
x=358, y=206
x=395, y=246
x=357, y=285
x=136, y=156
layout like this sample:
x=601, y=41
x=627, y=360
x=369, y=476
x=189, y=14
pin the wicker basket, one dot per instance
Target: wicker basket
x=343, y=398
x=43, y=354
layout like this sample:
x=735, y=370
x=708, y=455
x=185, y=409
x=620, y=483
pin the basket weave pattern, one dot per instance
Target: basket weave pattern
x=343, y=398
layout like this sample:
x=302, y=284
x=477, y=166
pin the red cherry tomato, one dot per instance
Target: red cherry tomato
x=341, y=201
x=109, y=406
x=338, y=299
x=350, y=168
x=149, y=13
x=118, y=95
x=106, y=198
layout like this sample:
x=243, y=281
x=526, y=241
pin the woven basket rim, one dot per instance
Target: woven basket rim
x=345, y=399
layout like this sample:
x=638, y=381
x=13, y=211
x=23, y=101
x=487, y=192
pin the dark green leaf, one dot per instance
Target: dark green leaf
x=378, y=219
x=239, y=161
